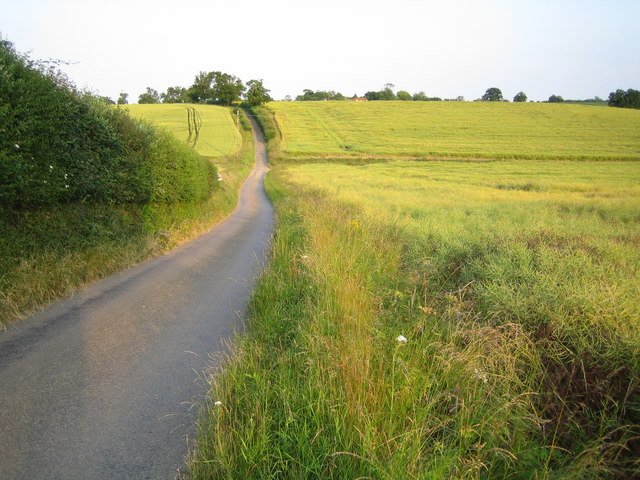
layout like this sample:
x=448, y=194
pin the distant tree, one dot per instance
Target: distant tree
x=372, y=95
x=422, y=97
x=555, y=99
x=622, y=99
x=460, y=98
x=150, y=96
x=387, y=94
x=287, y=98
x=310, y=95
x=257, y=94
x=404, y=95
x=175, y=95
x=492, y=94
x=215, y=87
x=227, y=89
x=520, y=97
x=122, y=99
x=202, y=89
x=307, y=95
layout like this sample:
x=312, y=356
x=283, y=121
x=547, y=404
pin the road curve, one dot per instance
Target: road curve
x=100, y=386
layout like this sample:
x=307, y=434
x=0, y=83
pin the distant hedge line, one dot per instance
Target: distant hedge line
x=59, y=145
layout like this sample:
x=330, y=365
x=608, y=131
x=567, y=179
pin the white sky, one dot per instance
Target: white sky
x=572, y=48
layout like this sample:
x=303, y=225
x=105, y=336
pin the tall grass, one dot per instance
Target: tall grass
x=515, y=286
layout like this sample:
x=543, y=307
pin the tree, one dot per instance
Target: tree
x=256, y=93
x=175, y=95
x=387, y=94
x=492, y=94
x=372, y=96
x=555, y=99
x=310, y=95
x=201, y=91
x=122, y=99
x=227, y=89
x=622, y=99
x=520, y=97
x=404, y=95
x=150, y=96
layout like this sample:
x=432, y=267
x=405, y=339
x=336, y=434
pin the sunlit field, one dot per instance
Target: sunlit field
x=219, y=136
x=449, y=319
x=456, y=129
x=536, y=242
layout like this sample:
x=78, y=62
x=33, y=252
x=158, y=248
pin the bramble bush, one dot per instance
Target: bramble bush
x=59, y=145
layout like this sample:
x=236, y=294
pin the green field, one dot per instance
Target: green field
x=219, y=136
x=456, y=129
x=515, y=284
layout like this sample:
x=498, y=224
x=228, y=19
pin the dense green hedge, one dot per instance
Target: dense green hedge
x=59, y=145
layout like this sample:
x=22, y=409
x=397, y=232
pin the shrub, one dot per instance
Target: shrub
x=59, y=145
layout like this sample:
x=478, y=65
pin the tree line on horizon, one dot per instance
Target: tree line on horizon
x=214, y=88
x=619, y=98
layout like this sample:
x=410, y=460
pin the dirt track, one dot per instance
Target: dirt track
x=101, y=386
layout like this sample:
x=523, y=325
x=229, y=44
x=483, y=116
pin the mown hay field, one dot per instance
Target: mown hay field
x=497, y=130
x=219, y=136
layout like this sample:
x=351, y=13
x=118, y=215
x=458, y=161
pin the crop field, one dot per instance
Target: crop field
x=550, y=242
x=446, y=319
x=219, y=136
x=456, y=129
x=451, y=318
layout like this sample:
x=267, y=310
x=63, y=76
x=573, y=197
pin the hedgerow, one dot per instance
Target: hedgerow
x=59, y=145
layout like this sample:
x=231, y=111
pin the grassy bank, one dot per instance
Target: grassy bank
x=515, y=286
x=455, y=130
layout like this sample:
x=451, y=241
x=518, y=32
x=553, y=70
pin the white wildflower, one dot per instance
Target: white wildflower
x=50, y=167
x=17, y=146
x=480, y=375
x=401, y=339
x=218, y=403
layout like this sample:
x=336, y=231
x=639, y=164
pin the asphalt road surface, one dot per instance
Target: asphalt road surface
x=102, y=385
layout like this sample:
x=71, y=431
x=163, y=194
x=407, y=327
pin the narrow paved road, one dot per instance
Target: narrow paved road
x=100, y=386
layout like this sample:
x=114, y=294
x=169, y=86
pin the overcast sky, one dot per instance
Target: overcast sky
x=573, y=48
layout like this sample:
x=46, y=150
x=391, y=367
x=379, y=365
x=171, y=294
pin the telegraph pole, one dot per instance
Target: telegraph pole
x=239, y=135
